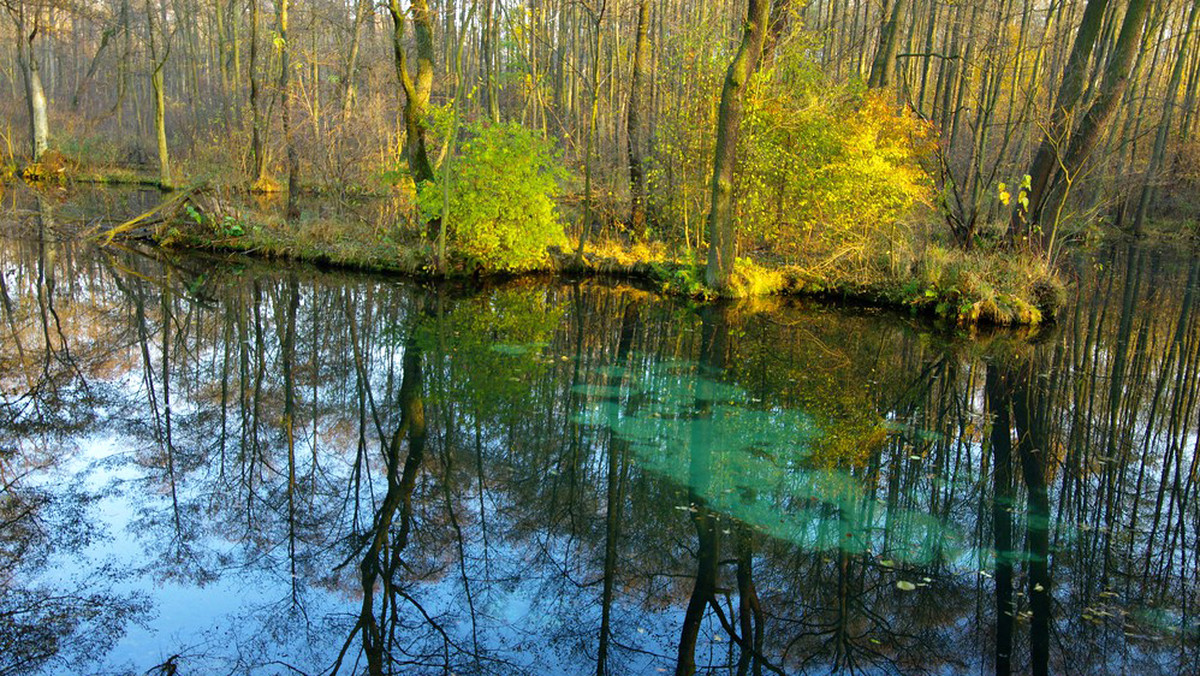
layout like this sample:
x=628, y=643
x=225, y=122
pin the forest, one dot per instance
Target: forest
x=501, y=337
x=922, y=152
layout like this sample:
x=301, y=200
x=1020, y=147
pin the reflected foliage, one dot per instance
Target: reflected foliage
x=339, y=473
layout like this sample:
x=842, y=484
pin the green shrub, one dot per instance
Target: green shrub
x=501, y=213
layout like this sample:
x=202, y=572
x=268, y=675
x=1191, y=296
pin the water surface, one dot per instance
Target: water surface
x=226, y=466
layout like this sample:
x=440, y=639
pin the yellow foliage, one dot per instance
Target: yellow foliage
x=265, y=185
x=750, y=280
x=828, y=173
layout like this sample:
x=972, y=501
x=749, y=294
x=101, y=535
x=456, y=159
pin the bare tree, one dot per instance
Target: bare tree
x=27, y=18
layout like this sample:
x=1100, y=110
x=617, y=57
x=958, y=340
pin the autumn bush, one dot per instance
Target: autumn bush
x=825, y=175
x=823, y=170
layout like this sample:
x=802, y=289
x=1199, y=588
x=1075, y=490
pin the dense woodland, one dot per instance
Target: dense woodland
x=380, y=470
x=814, y=126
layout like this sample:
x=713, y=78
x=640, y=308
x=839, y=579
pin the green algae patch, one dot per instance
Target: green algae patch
x=779, y=470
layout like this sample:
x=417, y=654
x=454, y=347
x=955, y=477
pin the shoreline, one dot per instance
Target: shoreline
x=669, y=277
x=990, y=288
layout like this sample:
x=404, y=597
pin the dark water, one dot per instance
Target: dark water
x=220, y=466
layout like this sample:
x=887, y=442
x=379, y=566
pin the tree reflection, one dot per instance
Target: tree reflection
x=46, y=395
x=714, y=333
x=580, y=478
x=1013, y=396
x=383, y=556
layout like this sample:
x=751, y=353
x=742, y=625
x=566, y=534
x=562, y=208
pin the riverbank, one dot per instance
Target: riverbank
x=983, y=287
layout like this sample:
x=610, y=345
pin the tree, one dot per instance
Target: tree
x=26, y=17
x=1164, y=124
x=883, y=69
x=597, y=15
x=628, y=89
x=416, y=91
x=285, y=93
x=160, y=105
x=1112, y=87
x=722, y=239
x=360, y=15
x=634, y=122
x=1028, y=209
x=257, y=145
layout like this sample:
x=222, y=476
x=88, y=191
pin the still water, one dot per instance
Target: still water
x=216, y=465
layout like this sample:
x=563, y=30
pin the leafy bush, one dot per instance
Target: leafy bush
x=829, y=173
x=501, y=212
x=823, y=171
x=224, y=227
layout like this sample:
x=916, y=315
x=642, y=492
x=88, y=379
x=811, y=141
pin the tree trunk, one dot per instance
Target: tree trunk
x=156, y=82
x=123, y=64
x=1116, y=79
x=1189, y=101
x=883, y=70
x=1029, y=206
x=292, y=211
x=235, y=19
x=488, y=61
x=35, y=95
x=778, y=25
x=931, y=32
x=634, y=125
x=722, y=239
x=590, y=146
x=360, y=13
x=91, y=71
x=416, y=92
x=256, y=137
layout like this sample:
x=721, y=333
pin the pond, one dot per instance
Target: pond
x=219, y=465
